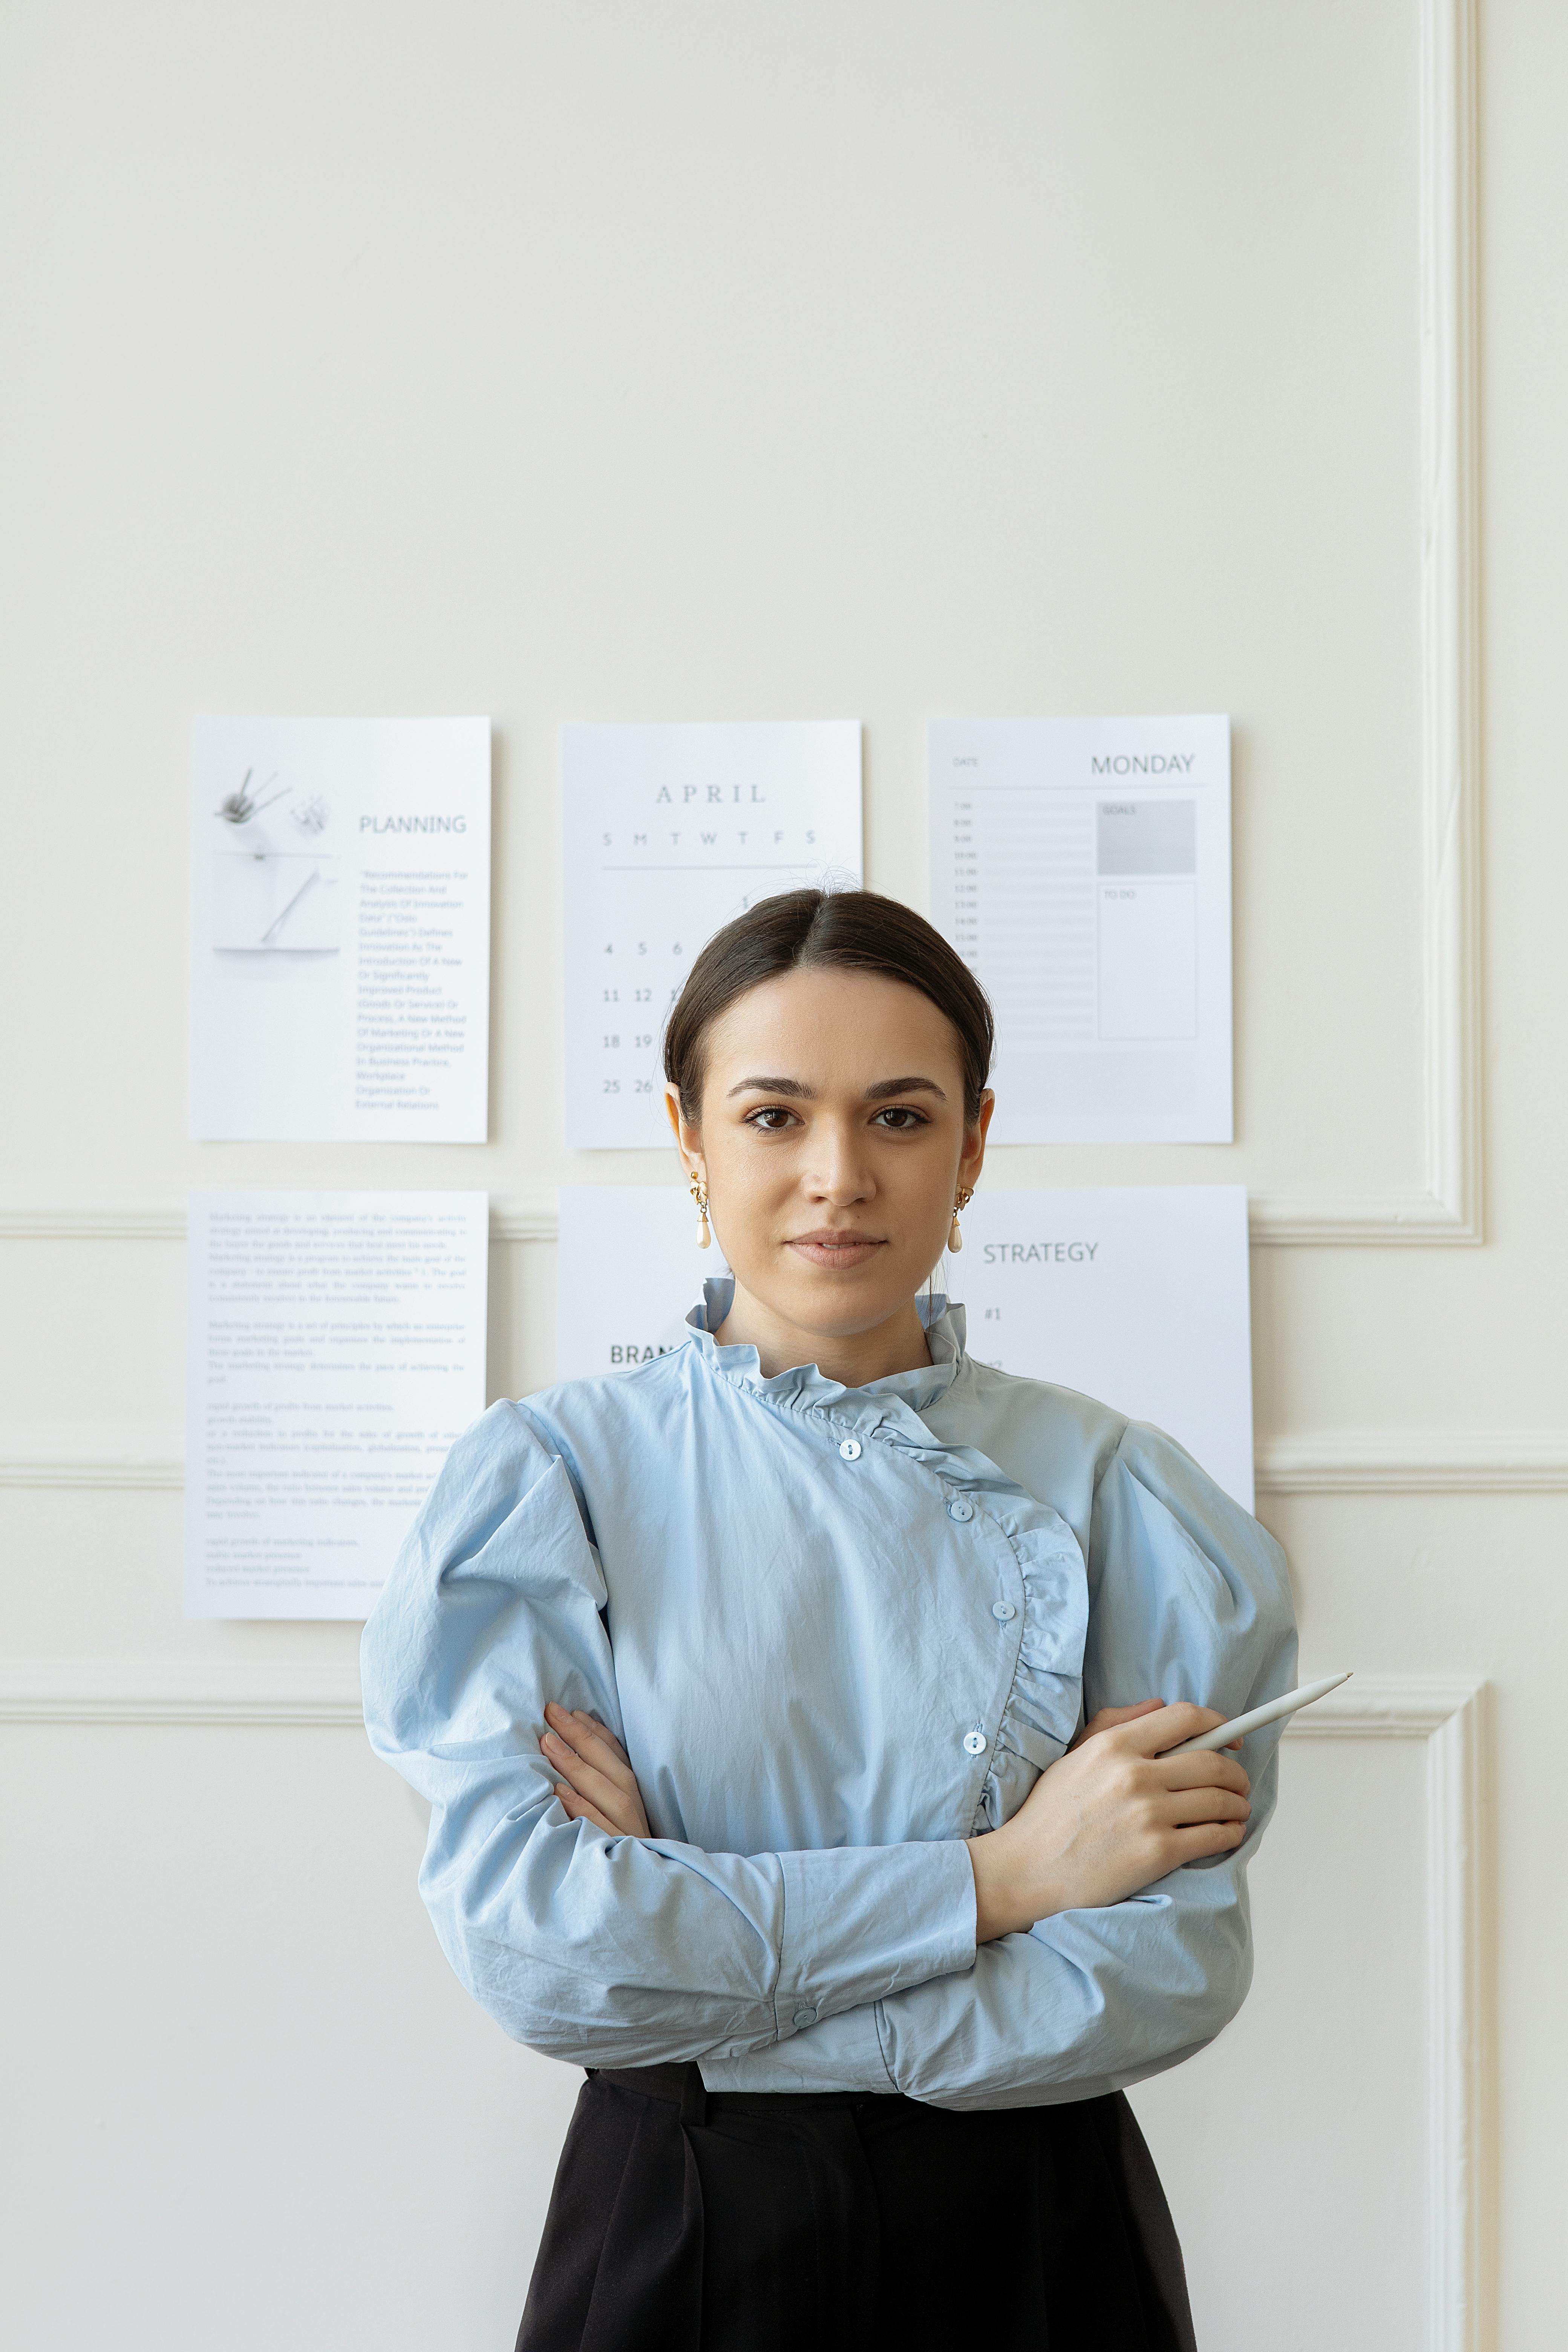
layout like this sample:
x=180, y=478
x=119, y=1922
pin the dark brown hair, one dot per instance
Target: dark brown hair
x=856, y=930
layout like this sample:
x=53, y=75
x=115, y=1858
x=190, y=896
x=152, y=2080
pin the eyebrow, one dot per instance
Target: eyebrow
x=799, y=1092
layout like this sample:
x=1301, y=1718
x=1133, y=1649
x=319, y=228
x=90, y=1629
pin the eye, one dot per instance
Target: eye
x=901, y=1119
x=772, y=1119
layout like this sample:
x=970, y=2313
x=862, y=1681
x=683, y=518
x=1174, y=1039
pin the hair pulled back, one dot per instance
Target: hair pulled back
x=803, y=930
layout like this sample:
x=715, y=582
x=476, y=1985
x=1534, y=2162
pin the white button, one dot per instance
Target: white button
x=806, y=2017
x=850, y=1449
x=959, y=1509
x=974, y=1743
x=1001, y=1611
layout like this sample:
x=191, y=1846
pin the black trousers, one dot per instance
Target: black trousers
x=785, y=2223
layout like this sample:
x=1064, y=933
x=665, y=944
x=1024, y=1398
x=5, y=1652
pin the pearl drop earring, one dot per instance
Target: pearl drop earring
x=955, y=1237
x=700, y=1194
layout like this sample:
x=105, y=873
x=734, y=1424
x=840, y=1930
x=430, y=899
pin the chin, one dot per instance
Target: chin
x=840, y=1305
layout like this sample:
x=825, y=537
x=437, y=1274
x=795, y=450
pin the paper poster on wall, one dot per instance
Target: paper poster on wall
x=1138, y=1297
x=629, y=1271
x=1082, y=867
x=336, y=1348
x=340, y=942
x=670, y=831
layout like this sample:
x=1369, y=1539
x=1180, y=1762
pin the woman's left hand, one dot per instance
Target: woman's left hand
x=597, y=1783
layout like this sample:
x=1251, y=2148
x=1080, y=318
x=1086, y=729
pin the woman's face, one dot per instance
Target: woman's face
x=833, y=1142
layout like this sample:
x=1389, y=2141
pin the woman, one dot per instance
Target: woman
x=749, y=1690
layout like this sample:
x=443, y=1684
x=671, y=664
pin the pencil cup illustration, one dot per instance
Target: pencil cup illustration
x=269, y=896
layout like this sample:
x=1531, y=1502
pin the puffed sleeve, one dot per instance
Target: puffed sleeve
x=604, y=1951
x=1189, y=1599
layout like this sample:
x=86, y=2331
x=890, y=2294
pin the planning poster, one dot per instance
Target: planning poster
x=337, y=1347
x=1137, y=1296
x=669, y=832
x=340, y=940
x=1081, y=867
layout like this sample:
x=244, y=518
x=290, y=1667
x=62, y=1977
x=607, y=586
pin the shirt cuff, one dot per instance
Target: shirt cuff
x=861, y=1922
x=840, y=2053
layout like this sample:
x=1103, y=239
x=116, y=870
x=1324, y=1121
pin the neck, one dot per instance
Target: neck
x=853, y=1358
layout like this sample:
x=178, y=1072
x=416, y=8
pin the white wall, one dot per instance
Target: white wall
x=877, y=359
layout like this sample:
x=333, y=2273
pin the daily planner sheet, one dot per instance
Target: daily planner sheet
x=669, y=832
x=339, y=946
x=337, y=1347
x=1081, y=867
x=1138, y=1297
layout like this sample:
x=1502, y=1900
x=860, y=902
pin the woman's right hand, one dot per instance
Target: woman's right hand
x=597, y=1783
x=1109, y=1817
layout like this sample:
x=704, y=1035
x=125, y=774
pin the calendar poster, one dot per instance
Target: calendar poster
x=669, y=832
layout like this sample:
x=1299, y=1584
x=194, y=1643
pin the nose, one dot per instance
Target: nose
x=840, y=1173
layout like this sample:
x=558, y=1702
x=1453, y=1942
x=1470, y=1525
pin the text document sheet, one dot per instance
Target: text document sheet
x=340, y=940
x=1082, y=867
x=1138, y=1297
x=628, y=1272
x=669, y=832
x=337, y=1347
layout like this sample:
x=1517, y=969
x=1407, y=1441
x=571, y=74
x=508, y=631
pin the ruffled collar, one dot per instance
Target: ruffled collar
x=804, y=1384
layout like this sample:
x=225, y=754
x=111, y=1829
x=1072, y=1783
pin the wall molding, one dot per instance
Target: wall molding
x=1446, y=1714
x=525, y=1217
x=1416, y=1462
x=109, y=1222
x=118, y=1462
x=177, y=1691
x=1449, y=1208
x=1333, y=1461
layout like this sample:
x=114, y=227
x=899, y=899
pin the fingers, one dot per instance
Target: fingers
x=1207, y=1838
x=571, y=1721
x=595, y=1769
x=578, y=1809
x=575, y=1734
x=1106, y=1718
x=1189, y=1806
x=580, y=1771
x=1206, y=1770
x=1167, y=1727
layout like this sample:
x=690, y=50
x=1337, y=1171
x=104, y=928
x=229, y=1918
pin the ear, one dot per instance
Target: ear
x=971, y=1159
x=688, y=1139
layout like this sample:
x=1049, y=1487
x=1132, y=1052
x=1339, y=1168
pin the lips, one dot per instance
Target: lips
x=839, y=1253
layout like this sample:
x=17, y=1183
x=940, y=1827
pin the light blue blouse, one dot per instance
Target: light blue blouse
x=839, y=1629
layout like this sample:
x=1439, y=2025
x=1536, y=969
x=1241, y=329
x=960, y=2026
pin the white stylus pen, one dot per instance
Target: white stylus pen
x=1240, y=1725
